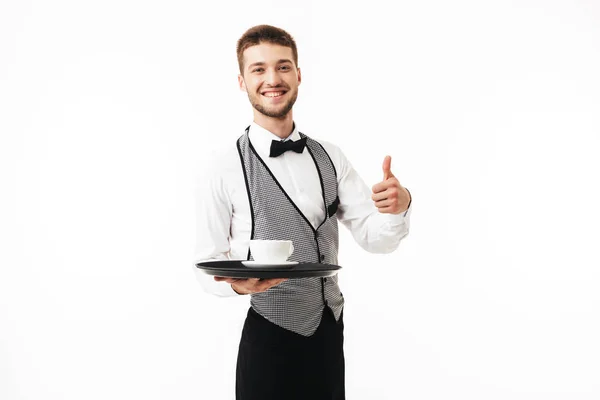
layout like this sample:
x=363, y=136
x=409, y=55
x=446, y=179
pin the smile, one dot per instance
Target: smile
x=273, y=94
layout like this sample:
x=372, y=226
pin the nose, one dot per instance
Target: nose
x=272, y=77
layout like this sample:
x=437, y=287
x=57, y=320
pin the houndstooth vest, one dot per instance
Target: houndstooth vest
x=296, y=304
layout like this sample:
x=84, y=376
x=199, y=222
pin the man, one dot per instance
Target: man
x=292, y=340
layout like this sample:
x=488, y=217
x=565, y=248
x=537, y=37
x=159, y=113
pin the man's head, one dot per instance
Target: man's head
x=269, y=73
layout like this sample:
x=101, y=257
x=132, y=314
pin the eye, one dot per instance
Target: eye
x=257, y=70
x=285, y=67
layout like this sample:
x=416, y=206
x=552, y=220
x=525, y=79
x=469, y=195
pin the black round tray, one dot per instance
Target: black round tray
x=235, y=269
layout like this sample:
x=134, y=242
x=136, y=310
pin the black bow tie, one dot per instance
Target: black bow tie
x=279, y=147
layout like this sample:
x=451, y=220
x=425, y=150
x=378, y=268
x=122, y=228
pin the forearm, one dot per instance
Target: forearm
x=374, y=231
x=213, y=225
x=386, y=231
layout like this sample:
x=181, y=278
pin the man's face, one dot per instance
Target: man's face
x=270, y=78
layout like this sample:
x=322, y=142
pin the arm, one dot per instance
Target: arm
x=213, y=222
x=213, y=225
x=377, y=229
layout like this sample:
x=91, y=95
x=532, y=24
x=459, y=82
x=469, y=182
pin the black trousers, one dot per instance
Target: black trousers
x=276, y=364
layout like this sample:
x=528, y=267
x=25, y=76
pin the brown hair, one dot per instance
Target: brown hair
x=261, y=34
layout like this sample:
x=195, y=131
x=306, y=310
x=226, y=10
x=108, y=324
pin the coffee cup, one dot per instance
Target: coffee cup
x=271, y=251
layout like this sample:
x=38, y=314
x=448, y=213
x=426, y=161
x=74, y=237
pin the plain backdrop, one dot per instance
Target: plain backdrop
x=489, y=109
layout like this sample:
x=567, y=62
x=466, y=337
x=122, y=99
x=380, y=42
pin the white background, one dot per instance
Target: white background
x=490, y=110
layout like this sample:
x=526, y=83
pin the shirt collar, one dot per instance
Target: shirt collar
x=261, y=138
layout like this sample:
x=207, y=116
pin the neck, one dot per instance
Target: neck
x=282, y=127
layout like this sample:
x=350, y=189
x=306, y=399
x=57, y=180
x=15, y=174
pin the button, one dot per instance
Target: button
x=324, y=279
x=316, y=234
x=322, y=257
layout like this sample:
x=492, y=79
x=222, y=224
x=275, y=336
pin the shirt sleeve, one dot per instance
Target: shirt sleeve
x=373, y=231
x=213, y=221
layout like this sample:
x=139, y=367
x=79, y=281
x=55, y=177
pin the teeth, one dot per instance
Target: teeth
x=273, y=94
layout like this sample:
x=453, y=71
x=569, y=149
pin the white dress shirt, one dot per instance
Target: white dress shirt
x=224, y=222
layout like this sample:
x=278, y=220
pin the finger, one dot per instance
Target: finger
x=247, y=286
x=269, y=283
x=387, y=166
x=386, y=194
x=254, y=284
x=387, y=210
x=385, y=203
x=379, y=196
x=384, y=185
x=379, y=187
x=272, y=282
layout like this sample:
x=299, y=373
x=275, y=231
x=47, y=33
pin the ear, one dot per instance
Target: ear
x=299, y=76
x=242, y=83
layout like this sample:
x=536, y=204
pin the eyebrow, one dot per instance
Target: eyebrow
x=260, y=63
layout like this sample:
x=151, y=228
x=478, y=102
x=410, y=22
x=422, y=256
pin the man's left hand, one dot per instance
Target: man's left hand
x=389, y=195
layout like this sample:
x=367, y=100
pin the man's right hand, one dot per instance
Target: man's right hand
x=251, y=285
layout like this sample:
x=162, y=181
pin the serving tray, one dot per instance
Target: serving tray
x=236, y=269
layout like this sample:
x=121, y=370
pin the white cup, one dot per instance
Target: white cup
x=271, y=251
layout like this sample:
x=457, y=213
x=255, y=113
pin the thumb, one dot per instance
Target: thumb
x=387, y=164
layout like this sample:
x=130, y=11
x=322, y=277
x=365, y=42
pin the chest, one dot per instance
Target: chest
x=298, y=177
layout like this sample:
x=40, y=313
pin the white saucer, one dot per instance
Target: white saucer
x=256, y=264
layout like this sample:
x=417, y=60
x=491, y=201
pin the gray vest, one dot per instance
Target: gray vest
x=296, y=304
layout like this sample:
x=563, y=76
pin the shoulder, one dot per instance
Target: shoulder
x=329, y=147
x=219, y=164
x=335, y=153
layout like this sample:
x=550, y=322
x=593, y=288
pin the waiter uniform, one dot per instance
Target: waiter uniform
x=292, y=341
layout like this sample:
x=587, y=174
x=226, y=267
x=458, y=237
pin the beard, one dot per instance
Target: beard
x=279, y=111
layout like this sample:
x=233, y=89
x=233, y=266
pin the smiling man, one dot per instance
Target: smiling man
x=271, y=102
x=275, y=182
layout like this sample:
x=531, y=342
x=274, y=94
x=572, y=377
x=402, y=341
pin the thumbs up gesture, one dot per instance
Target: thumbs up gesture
x=389, y=196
